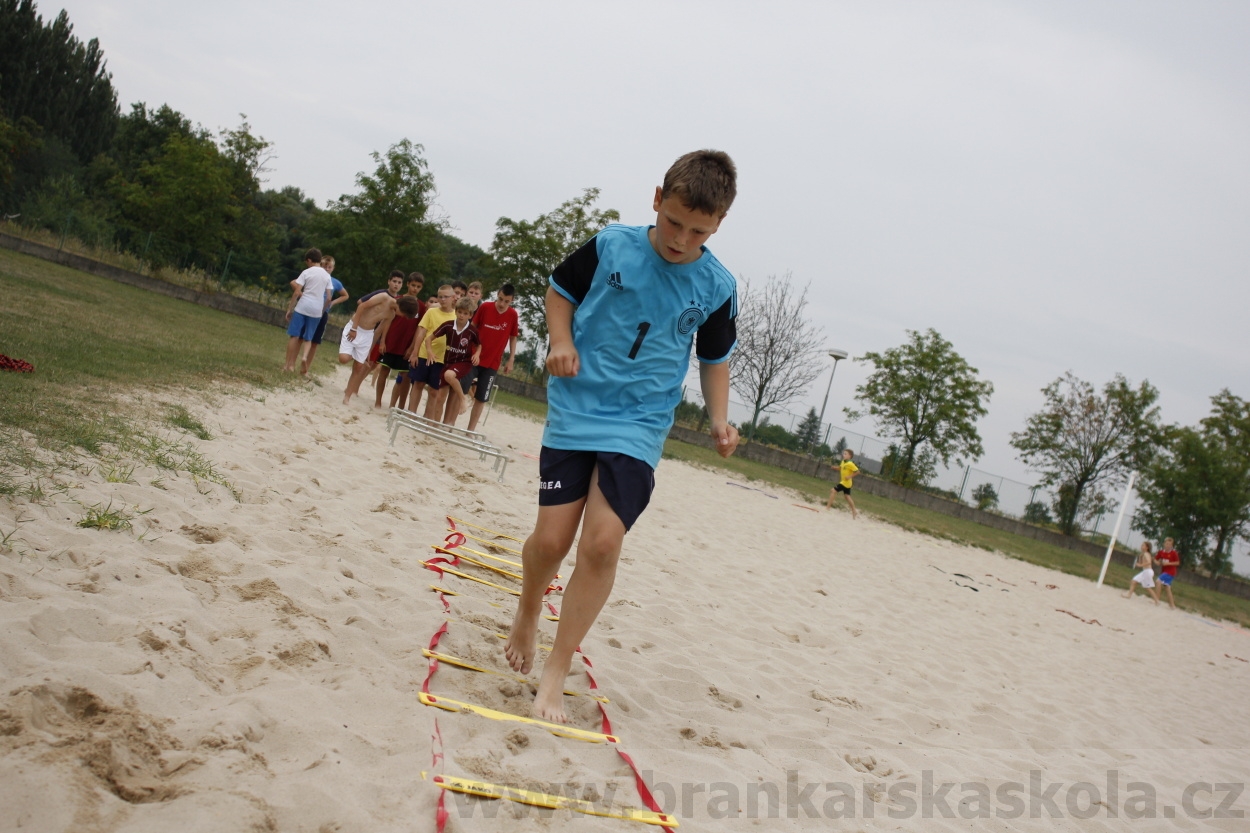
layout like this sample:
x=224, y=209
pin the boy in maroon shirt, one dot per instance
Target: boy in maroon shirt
x=458, y=359
x=395, y=337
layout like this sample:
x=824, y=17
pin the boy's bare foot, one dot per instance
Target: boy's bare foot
x=549, y=701
x=522, y=642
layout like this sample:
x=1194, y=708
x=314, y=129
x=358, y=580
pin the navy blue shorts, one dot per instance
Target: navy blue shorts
x=320, y=332
x=626, y=482
x=428, y=373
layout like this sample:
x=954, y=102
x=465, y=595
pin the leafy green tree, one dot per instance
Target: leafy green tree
x=525, y=252
x=50, y=76
x=778, y=353
x=20, y=140
x=469, y=263
x=387, y=224
x=1084, y=444
x=1197, y=489
x=929, y=398
x=985, y=496
x=1037, y=512
x=62, y=205
x=290, y=212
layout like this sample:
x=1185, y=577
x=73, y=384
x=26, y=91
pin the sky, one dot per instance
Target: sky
x=1052, y=185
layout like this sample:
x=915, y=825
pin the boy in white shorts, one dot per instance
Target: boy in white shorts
x=1146, y=578
x=358, y=338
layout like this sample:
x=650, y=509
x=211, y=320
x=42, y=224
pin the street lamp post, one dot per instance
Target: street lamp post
x=837, y=356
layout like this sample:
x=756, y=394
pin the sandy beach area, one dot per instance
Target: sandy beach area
x=255, y=663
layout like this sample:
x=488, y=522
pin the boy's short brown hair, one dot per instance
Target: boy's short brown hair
x=477, y=284
x=416, y=276
x=465, y=305
x=313, y=254
x=704, y=180
x=408, y=306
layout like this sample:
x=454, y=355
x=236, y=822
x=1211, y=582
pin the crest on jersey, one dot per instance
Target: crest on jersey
x=691, y=318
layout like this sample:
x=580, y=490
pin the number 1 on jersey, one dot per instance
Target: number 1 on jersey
x=642, y=333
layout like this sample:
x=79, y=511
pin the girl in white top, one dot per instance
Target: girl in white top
x=1146, y=578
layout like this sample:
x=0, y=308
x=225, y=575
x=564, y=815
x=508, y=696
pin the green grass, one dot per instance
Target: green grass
x=95, y=344
x=106, y=517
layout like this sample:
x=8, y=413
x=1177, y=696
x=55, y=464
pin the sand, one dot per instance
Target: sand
x=255, y=663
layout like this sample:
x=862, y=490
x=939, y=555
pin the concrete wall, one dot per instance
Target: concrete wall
x=216, y=300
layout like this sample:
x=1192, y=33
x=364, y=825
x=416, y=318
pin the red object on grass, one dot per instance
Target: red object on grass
x=16, y=365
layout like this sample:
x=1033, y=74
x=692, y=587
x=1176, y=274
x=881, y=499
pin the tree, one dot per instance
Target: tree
x=388, y=224
x=986, y=496
x=525, y=252
x=1084, y=444
x=808, y=432
x=778, y=353
x=1038, y=513
x=926, y=396
x=1197, y=490
x=56, y=80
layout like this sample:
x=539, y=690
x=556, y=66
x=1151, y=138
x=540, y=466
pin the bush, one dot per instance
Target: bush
x=1038, y=513
x=985, y=496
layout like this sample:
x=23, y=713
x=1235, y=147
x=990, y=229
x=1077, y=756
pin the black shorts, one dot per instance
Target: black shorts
x=395, y=361
x=320, y=332
x=843, y=489
x=626, y=482
x=427, y=373
x=485, y=379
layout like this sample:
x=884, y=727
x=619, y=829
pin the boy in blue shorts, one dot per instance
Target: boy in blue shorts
x=310, y=293
x=622, y=314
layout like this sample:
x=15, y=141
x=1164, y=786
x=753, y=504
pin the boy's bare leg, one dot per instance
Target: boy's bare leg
x=851, y=503
x=453, y=399
x=1171, y=600
x=435, y=403
x=1132, y=585
x=292, y=351
x=541, y=555
x=829, y=503
x=308, y=359
x=474, y=414
x=359, y=371
x=383, y=373
x=588, y=589
x=399, y=393
x=414, y=396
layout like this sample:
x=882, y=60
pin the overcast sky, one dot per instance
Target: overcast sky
x=1051, y=185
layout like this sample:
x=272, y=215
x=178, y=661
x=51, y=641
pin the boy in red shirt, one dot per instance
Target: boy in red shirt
x=395, y=337
x=497, y=326
x=1168, y=560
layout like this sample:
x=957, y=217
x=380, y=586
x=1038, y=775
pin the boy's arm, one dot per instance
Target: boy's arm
x=339, y=298
x=296, y=291
x=380, y=338
x=714, y=381
x=417, y=339
x=562, y=359
x=511, y=356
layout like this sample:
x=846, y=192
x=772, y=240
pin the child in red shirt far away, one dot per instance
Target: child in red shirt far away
x=395, y=338
x=1168, y=560
x=497, y=326
x=464, y=348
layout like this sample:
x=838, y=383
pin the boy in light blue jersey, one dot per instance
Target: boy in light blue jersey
x=622, y=314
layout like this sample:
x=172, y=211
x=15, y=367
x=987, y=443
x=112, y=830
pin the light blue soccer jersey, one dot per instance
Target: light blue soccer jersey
x=636, y=318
